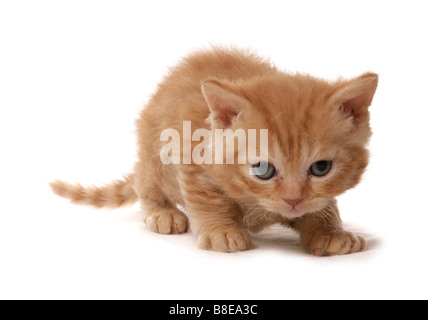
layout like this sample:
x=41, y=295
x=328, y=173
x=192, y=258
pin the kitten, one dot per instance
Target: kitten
x=317, y=136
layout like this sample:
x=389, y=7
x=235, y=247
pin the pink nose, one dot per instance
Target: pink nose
x=293, y=202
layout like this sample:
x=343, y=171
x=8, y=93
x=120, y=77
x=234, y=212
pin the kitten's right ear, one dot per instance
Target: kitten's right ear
x=225, y=105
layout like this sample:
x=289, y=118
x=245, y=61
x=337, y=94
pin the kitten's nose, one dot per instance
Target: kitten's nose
x=293, y=202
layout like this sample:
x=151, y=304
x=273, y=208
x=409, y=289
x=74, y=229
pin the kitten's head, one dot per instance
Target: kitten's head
x=317, y=133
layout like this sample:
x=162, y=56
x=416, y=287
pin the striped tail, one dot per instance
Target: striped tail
x=114, y=195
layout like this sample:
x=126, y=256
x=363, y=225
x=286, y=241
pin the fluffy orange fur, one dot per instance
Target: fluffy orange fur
x=308, y=119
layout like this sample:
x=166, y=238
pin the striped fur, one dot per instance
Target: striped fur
x=114, y=195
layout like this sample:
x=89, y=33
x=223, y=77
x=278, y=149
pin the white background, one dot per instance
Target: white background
x=75, y=74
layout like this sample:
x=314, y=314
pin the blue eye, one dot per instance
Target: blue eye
x=264, y=170
x=320, y=168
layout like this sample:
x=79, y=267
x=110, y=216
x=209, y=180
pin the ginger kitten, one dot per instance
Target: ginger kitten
x=317, y=136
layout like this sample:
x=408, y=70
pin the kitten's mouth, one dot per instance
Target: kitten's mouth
x=292, y=212
x=296, y=212
x=293, y=206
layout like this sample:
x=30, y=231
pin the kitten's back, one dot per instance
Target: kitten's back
x=227, y=64
x=179, y=97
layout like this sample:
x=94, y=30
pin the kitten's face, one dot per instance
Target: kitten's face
x=306, y=172
x=317, y=137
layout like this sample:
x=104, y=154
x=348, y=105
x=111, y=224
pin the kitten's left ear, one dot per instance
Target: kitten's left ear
x=355, y=96
x=225, y=105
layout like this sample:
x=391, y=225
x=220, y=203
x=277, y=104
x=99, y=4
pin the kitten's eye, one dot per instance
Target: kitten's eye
x=320, y=168
x=264, y=170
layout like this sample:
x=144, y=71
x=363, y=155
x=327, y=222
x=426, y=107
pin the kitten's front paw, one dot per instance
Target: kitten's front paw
x=232, y=240
x=170, y=221
x=334, y=243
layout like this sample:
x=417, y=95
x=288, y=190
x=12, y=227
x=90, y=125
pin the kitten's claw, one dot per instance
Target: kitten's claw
x=167, y=222
x=232, y=240
x=335, y=243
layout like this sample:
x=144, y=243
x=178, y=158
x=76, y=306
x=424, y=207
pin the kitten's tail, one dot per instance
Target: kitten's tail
x=114, y=195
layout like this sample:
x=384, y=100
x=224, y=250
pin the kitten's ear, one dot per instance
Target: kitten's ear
x=355, y=96
x=224, y=104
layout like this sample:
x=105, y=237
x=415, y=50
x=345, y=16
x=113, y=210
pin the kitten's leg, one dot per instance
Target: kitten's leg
x=322, y=233
x=164, y=219
x=160, y=215
x=214, y=219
